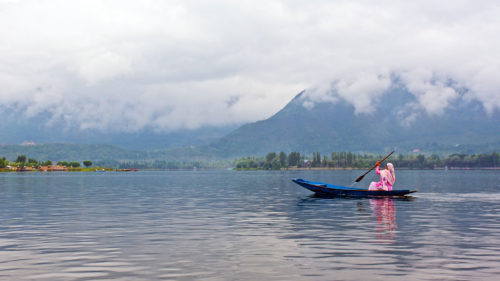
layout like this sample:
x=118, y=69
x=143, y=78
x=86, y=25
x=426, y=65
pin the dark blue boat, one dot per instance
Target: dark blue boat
x=325, y=189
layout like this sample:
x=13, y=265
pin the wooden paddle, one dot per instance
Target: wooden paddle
x=363, y=175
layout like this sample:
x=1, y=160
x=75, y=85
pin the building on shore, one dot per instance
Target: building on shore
x=53, y=168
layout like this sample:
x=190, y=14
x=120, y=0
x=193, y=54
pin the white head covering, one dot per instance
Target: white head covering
x=391, y=176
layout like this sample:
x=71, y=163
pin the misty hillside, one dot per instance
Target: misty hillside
x=396, y=124
x=69, y=152
x=41, y=130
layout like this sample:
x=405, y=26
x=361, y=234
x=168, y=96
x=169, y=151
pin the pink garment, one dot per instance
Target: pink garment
x=387, y=179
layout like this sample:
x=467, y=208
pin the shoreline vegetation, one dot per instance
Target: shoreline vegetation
x=349, y=160
x=351, y=168
x=272, y=161
x=23, y=164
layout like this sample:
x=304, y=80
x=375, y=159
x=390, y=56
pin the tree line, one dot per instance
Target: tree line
x=168, y=165
x=276, y=161
x=22, y=161
x=280, y=160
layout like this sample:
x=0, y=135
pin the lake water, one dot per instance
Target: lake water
x=229, y=225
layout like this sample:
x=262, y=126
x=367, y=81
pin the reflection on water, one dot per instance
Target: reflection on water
x=384, y=210
x=226, y=225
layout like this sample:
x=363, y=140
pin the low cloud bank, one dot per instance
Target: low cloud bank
x=125, y=65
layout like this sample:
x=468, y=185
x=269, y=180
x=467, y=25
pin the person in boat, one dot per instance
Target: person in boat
x=387, y=178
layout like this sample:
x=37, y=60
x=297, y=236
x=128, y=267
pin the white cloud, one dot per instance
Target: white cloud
x=359, y=89
x=105, y=65
x=408, y=114
x=124, y=65
x=363, y=90
x=432, y=92
x=485, y=86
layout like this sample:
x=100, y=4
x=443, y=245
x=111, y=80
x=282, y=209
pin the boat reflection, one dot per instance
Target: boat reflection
x=384, y=210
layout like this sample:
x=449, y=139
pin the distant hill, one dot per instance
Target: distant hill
x=69, y=152
x=327, y=127
x=15, y=130
x=464, y=127
x=105, y=153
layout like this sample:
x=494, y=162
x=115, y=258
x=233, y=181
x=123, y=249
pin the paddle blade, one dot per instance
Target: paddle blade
x=360, y=178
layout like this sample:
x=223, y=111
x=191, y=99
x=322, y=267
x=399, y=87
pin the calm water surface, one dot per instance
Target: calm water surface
x=228, y=225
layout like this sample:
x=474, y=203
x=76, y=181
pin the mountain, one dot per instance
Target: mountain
x=15, y=130
x=304, y=125
x=69, y=152
x=397, y=123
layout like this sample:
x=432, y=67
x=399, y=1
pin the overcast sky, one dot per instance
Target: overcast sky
x=184, y=64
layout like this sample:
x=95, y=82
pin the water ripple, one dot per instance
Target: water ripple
x=222, y=225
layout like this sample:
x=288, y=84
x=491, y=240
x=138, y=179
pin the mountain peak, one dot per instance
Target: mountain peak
x=397, y=122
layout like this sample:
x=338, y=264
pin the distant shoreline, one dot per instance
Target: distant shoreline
x=97, y=169
x=101, y=169
x=404, y=168
x=364, y=169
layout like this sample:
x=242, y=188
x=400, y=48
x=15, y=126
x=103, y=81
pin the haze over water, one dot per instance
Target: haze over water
x=228, y=225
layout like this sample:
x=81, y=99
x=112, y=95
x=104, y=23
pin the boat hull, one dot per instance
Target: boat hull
x=325, y=189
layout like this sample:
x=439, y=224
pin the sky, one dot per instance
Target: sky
x=166, y=65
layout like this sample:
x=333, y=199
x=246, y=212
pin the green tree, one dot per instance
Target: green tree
x=349, y=159
x=63, y=163
x=74, y=164
x=324, y=162
x=294, y=158
x=242, y=164
x=495, y=158
x=420, y=160
x=400, y=157
x=283, y=158
x=87, y=163
x=434, y=161
x=21, y=159
x=3, y=162
x=251, y=164
x=334, y=159
x=270, y=156
x=316, y=159
x=275, y=164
